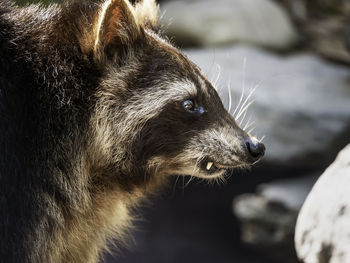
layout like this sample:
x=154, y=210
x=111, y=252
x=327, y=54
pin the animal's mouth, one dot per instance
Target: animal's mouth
x=210, y=166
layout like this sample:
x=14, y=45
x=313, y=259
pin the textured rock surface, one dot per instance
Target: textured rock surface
x=323, y=227
x=301, y=102
x=268, y=217
x=258, y=22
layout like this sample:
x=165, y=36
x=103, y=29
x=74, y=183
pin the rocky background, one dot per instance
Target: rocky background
x=292, y=58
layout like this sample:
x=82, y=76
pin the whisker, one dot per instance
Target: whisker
x=229, y=96
x=251, y=130
x=188, y=182
x=218, y=76
x=245, y=101
x=191, y=177
x=223, y=179
x=262, y=138
x=199, y=159
x=259, y=84
x=183, y=185
x=216, y=181
x=243, y=117
x=228, y=175
x=239, y=103
x=249, y=124
x=244, y=109
x=174, y=187
x=243, y=86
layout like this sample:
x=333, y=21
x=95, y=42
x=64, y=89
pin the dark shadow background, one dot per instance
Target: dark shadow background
x=194, y=224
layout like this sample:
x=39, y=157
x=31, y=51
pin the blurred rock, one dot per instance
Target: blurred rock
x=324, y=24
x=302, y=10
x=302, y=102
x=268, y=217
x=328, y=37
x=207, y=23
x=323, y=227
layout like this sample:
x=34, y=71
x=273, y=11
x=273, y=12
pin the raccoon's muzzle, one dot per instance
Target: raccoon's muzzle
x=252, y=152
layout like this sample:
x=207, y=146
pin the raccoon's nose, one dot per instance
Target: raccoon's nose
x=255, y=148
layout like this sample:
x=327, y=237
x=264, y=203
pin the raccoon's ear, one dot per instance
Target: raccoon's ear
x=116, y=29
x=147, y=13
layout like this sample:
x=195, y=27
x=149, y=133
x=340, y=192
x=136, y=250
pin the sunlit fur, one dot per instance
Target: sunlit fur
x=92, y=122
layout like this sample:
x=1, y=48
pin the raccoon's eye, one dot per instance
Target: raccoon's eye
x=189, y=105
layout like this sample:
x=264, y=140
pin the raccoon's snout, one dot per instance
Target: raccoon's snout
x=255, y=148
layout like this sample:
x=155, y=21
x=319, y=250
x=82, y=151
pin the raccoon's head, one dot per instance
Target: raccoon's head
x=157, y=114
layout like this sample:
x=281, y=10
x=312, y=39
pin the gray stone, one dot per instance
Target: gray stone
x=208, y=23
x=302, y=103
x=323, y=226
x=268, y=217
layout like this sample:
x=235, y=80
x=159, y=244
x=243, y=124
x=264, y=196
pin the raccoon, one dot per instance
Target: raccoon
x=97, y=111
